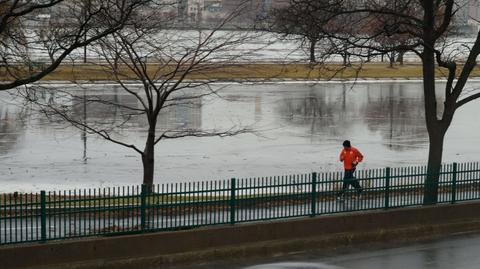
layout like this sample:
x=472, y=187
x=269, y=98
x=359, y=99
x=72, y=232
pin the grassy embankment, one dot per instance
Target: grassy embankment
x=255, y=71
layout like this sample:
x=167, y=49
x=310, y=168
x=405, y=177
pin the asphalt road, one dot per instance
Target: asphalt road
x=457, y=252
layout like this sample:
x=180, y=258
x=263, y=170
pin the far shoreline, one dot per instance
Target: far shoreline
x=256, y=73
x=247, y=82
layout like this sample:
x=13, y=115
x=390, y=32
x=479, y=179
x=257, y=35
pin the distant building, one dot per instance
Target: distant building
x=213, y=6
x=474, y=15
x=462, y=15
x=182, y=9
x=210, y=12
x=253, y=11
x=195, y=10
x=213, y=12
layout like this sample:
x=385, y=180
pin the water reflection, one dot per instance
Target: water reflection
x=11, y=127
x=103, y=107
x=322, y=111
x=181, y=116
x=393, y=110
x=113, y=106
x=397, y=113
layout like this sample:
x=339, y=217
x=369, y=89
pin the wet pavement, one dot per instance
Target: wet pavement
x=456, y=252
x=300, y=127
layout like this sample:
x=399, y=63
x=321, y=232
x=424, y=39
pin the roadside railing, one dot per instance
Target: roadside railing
x=44, y=216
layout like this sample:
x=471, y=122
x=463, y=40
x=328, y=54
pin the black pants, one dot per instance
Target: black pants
x=349, y=179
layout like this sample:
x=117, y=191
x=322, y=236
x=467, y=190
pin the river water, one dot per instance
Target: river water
x=242, y=46
x=300, y=128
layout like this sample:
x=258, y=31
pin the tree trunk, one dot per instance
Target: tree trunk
x=400, y=57
x=392, y=59
x=313, y=43
x=148, y=160
x=346, y=56
x=433, y=167
x=436, y=130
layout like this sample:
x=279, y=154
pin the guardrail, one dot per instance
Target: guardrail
x=39, y=217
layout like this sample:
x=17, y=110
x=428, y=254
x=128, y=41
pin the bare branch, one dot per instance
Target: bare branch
x=467, y=99
x=67, y=30
x=174, y=134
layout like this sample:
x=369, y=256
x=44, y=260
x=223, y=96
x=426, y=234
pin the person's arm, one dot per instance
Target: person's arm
x=359, y=156
x=342, y=155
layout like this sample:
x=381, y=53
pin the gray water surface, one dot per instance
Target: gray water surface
x=300, y=129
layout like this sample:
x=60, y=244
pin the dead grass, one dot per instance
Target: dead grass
x=250, y=71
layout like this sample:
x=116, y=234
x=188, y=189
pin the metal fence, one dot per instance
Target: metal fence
x=39, y=217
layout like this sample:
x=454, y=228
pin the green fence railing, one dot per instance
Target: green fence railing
x=39, y=217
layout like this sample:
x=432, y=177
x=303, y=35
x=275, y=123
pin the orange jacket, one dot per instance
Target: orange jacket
x=350, y=158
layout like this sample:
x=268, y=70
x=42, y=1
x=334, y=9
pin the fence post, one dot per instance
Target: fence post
x=454, y=183
x=314, y=194
x=43, y=216
x=232, y=200
x=387, y=187
x=143, y=206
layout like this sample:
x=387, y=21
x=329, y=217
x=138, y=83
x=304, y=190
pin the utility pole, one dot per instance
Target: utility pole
x=86, y=11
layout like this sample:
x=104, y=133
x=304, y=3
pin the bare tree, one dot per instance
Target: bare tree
x=174, y=69
x=305, y=21
x=424, y=24
x=37, y=35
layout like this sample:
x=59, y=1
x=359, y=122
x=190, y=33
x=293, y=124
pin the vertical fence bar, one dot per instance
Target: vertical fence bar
x=314, y=194
x=454, y=183
x=15, y=216
x=387, y=187
x=43, y=216
x=232, y=200
x=3, y=204
x=143, y=199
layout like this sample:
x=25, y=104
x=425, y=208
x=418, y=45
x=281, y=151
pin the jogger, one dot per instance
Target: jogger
x=350, y=157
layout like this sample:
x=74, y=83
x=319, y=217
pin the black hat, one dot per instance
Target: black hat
x=346, y=143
